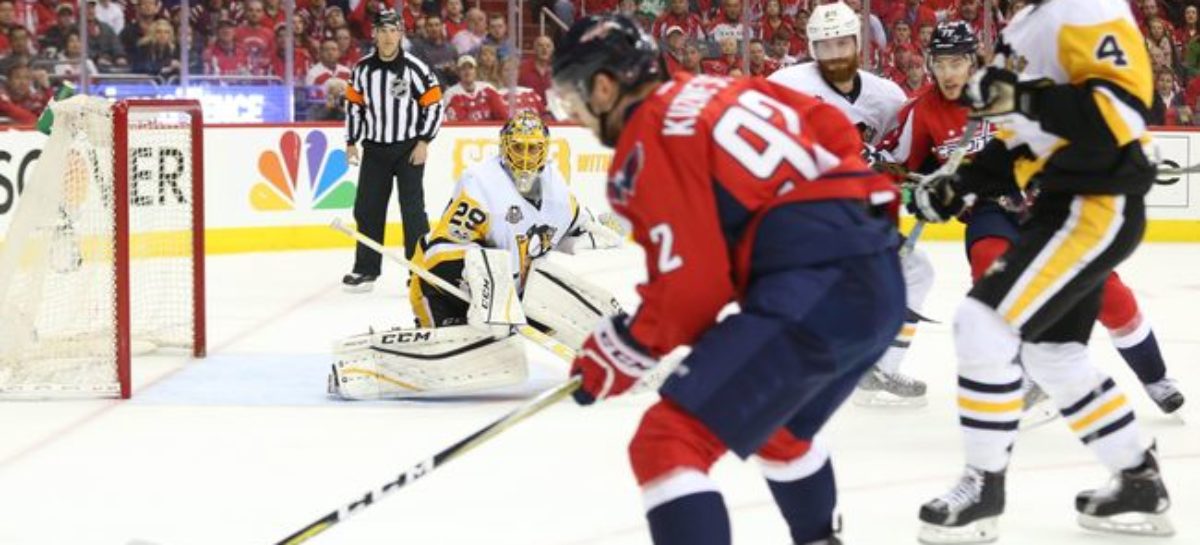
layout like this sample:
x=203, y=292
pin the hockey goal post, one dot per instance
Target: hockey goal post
x=104, y=257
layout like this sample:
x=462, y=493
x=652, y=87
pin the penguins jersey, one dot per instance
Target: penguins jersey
x=1091, y=125
x=872, y=105
x=487, y=210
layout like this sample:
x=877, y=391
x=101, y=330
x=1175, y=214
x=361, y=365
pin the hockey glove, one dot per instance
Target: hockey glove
x=937, y=199
x=610, y=361
x=993, y=92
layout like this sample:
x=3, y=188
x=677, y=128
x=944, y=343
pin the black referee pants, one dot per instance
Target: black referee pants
x=381, y=163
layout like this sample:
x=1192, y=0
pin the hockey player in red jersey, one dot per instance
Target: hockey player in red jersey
x=931, y=129
x=740, y=190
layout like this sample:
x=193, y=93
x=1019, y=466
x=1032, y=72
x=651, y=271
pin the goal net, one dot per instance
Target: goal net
x=104, y=256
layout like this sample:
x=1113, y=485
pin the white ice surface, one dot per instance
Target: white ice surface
x=244, y=447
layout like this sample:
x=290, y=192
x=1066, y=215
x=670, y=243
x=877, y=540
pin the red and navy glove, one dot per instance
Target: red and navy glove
x=610, y=361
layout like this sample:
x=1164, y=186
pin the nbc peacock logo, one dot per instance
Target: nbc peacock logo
x=328, y=187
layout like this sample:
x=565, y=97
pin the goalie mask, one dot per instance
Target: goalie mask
x=524, y=146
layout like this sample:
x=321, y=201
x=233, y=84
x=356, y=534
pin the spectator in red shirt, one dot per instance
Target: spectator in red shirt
x=772, y=21
x=24, y=95
x=915, y=12
x=925, y=34
x=471, y=100
x=675, y=50
x=44, y=15
x=728, y=24
x=226, y=56
x=535, y=71
x=1169, y=106
x=273, y=13
x=328, y=66
x=454, y=17
x=8, y=20
x=301, y=61
x=902, y=40
x=21, y=48
x=760, y=64
x=779, y=50
x=350, y=51
x=522, y=98
x=972, y=12
x=411, y=13
x=677, y=15
x=335, y=18
x=258, y=39
x=728, y=60
x=693, y=58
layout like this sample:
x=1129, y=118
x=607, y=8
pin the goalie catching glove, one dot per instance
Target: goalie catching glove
x=610, y=362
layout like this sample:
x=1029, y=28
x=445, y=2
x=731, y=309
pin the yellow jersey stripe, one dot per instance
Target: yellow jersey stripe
x=1088, y=228
x=1100, y=412
x=990, y=406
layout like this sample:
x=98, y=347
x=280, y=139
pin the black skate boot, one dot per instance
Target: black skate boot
x=1134, y=502
x=968, y=513
x=358, y=283
x=1165, y=394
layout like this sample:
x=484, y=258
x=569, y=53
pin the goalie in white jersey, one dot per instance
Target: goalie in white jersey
x=873, y=104
x=506, y=214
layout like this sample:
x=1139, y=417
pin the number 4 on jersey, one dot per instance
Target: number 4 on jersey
x=1109, y=48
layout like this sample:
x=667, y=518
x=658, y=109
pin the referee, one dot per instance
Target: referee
x=394, y=108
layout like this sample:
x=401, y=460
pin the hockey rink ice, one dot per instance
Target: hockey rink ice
x=245, y=447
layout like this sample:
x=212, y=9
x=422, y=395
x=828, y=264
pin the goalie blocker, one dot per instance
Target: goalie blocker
x=457, y=359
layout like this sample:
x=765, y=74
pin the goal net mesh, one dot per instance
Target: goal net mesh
x=58, y=273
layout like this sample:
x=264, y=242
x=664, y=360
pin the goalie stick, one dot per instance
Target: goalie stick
x=949, y=167
x=542, y=339
x=425, y=467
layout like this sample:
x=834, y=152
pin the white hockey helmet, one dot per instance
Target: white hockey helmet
x=834, y=20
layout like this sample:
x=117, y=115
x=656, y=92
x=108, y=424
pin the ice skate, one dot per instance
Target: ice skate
x=1134, y=502
x=1165, y=393
x=879, y=388
x=968, y=513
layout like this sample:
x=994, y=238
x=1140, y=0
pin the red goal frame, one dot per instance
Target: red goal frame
x=121, y=111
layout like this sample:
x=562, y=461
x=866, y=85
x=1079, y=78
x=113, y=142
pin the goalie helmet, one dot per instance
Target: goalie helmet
x=829, y=21
x=524, y=146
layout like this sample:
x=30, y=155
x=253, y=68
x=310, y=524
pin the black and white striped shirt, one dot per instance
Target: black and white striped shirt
x=392, y=101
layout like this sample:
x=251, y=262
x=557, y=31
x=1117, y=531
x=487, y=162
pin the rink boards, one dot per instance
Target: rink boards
x=277, y=187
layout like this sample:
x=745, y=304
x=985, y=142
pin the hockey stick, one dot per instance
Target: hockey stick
x=425, y=467
x=949, y=167
x=545, y=341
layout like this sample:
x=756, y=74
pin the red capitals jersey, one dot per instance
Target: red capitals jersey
x=483, y=104
x=700, y=146
x=931, y=128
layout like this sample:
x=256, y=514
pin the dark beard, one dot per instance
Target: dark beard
x=840, y=70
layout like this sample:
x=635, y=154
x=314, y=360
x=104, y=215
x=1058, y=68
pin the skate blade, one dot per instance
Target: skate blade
x=879, y=399
x=1138, y=524
x=1039, y=415
x=985, y=530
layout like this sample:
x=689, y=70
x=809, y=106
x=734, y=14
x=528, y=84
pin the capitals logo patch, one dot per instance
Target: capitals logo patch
x=624, y=182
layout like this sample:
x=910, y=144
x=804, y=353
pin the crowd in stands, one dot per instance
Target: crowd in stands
x=40, y=45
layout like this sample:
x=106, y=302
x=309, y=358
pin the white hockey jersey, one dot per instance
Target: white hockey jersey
x=1076, y=41
x=873, y=106
x=487, y=210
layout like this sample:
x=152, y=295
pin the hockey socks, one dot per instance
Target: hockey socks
x=807, y=503
x=1139, y=349
x=694, y=519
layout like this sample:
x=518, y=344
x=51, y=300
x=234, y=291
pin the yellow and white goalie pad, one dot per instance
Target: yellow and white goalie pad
x=410, y=363
x=570, y=306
